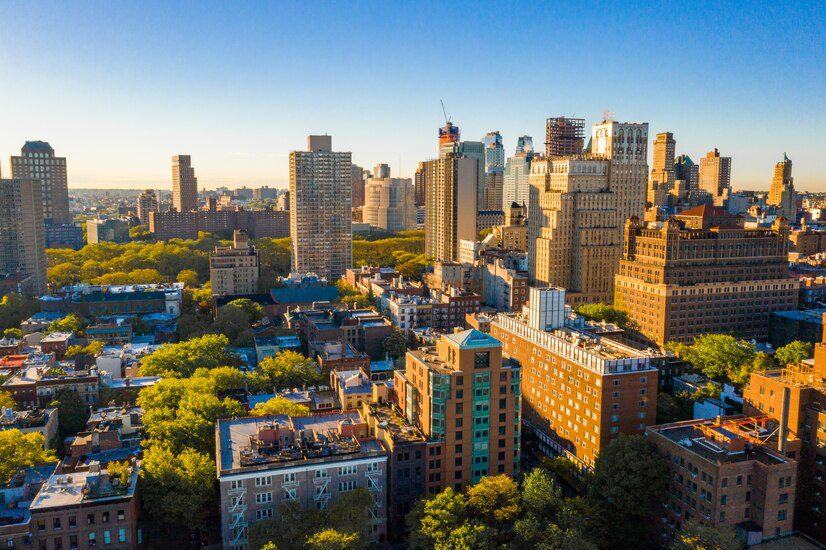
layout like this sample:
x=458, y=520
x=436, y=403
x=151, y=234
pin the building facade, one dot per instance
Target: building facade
x=320, y=209
x=22, y=243
x=186, y=225
x=781, y=193
x=37, y=161
x=234, y=270
x=516, y=176
x=702, y=272
x=113, y=230
x=184, y=184
x=564, y=136
x=147, y=202
x=389, y=202
x=715, y=177
x=451, y=184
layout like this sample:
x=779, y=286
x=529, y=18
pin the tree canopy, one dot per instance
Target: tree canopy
x=695, y=536
x=603, y=312
x=18, y=449
x=793, y=353
x=289, y=369
x=177, y=486
x=720, y=357
x=182, y=359
x=280, y=405
x=70, y=323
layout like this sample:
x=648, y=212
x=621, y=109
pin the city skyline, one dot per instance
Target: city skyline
x=117, y=104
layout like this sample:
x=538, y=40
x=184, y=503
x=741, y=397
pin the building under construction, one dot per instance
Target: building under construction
x=795, y=398
x=564, y=136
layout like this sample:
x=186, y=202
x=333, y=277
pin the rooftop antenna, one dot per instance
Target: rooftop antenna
x=447, y=120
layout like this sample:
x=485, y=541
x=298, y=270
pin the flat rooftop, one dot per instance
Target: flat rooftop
x=67, y=490
x=391, y=420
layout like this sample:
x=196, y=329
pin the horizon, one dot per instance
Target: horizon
x=125, y=89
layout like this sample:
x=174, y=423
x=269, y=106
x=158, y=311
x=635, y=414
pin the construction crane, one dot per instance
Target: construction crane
x=447, y=120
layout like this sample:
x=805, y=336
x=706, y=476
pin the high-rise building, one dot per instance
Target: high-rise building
x=794, y=398
x=515, y=184
x=625, y=144
x=22, y=242
x=579, y=390
x=234, y=270
x=321, y=209
x=389, y=202
x=449, y=133
x=421, y=185
x=147, y=202
x=184, y=184
x=494, y=170
x=37, y=161
x=283, y=201
x=480, y=430
x=451, y=183
x=715, y=177
x=114, y=230
x=360, y=176
x=702, y=272
x=572, y=235
x=685, y=170
x=172, y=224
x=564, y=136
x=661, y=181
x=494, y=151
x=781, y=193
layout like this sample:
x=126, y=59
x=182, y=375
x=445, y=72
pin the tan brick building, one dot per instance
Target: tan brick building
x=702, y=272
x=234, y=270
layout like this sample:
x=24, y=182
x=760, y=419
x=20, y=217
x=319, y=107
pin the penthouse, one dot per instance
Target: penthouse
x=264, y=462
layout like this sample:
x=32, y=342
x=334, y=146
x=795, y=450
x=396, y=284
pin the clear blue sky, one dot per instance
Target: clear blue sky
x=119, y=87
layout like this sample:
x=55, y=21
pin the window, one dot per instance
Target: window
x=107, y=537
x=263, y=481
x=261, y=498
x=481, y=360
x=345, y=486
x=105, y=517
x=263, y=514
x=121, y=515
x=56, y=524
x=73, y=542
x=346, y=470
x=783, y=499
x=289, y=478
x=92, y=541
x=41, y=525
x=121, y=535
x=90, y=519
x=72, y=521
x=781, y=515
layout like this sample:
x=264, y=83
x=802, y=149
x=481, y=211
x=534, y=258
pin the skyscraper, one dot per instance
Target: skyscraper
x=686, y=170
x=715, y=177
x=321, y=209
x=564, y=136
x=421, y=187
x=38, y=162
x=451, y=183
x=184, y=184
x=494, y=170
x=359, y=177
x=661, y=180
x=389, y=202
x=515, y=183
x=781, y=193
x=147, y=202
x=22, y=241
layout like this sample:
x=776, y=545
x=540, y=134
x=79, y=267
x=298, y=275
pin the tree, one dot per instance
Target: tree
x=182, y=359
x=120, y=470
x=14, y=309
x=6, y=400
x=233, y=322
x=627, y=487
x=70, y=323
x=603, y=312
x=330, y=539
x=290, y=369
x=793, y=353
x=357, y=301
x=395, y=345
x=140, y=233
x=18, y=450
x=13, y=333
x=253, y=310
x=178, y=487
x=64, y=274
x=93, y=348
x=718, y=356
x=72, y=414
x=278, y=406
x=763, y=362
x=496, y=503
x=695, y=536
x=188, y=277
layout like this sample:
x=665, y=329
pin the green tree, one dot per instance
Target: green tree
x=495, y=502
x=233, y=322
x=331, y=539
x=14, y=309
x=140, y=233
x=695, y=536
x=793, y=353
x=72, y=414
x=627, y=487
x=252, y=309
x=18, y=450
x=178, y=487
x=182, y=359
x=357, y=301
x=64, y=274
x=189, y=277
x=70, y=323
x=13, y=333
x=280, y=405
x=120, y=470
x=718, y=356
x=6, y=400
x=603, y=312
x=290, y=369
x=395, y=345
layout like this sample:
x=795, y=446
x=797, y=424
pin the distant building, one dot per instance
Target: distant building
x=420, y=186
x=564, y=136
x=515, y=178
x=283, y=202
x=64, y=235
x=235, y=269
x=114, y=230
x=184, y=184
x=715, y=177
x=105, y=300
x=781, y=193
x=320, y=209
x=37, y=420
x=266, y=462
x=450, y=217
x=359, y=181
x=389, y=202
x=264, y=193
x=494, y=170
x=147, y=202
x=22, y=244
x=186, y=225
x=37, y=161
x=488, y=219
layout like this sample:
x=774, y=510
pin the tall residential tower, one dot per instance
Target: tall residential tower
x=22, y=241
x=37, y=161
x=184, y=184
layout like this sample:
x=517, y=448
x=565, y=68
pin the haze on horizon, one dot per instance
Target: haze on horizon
x=118, y=89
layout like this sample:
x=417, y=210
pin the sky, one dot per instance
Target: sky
x=120, y=87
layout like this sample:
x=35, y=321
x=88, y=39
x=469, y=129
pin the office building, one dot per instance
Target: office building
x=234, y=270
x=113, y=230
x=794, y=398
x=781, y=193
x=494, y=170
x=184, y=184
x=515, y=178
x=451, y=183
x=579, y=390
x=715, y=177
x=480, y=435
x=389, y=202
x=420, y=185
x=359, y=179
x=65, y=235
x=147, y=202
x=702, y=272
x=572, y=235
x=37, y=161
x=266, y=462
x=661, y=181
x=564, y=136
x=686, y=170
x=321, y=209
x=22, y=244
x=722, y=474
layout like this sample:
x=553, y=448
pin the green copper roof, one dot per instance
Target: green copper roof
x=473, y=339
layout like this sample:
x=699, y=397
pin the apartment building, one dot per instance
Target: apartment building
x=22, y=241
x=35, y=420
x=480, y=433
x=114, y=230
x=715, y=177
x=441, y=311
x=451, y=185
x=702, y=272
x=184, y=184
x=37, y=161
x=108, y=300
x=234, y=270
x=36, y=385
x=264, y=462
x=722, y=475
x=389, y=203
x=147, y=202
x=502, y=279
x=186, y=225
x=17, y=495
x=782, y=193
x=579, y=390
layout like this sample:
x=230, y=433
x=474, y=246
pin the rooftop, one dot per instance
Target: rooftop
x=472, y=338
x=81, y=487
x=391, y=420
